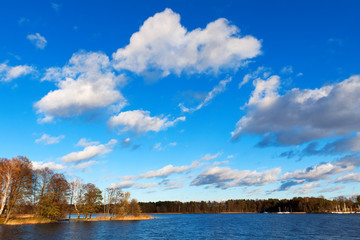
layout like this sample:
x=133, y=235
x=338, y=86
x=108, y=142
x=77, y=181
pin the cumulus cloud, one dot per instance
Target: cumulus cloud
x=8, y=73
x=85, y=83
x=225, y=177
x=89, y=152
x=221, y=87
x=339, y=146
x=300, y=116
x=38, y=40
x=164, y=46
x=141, y=122
x=319, y=172
x=47, y=139
x=51, y=165
x=324, y=170
x=351, y=177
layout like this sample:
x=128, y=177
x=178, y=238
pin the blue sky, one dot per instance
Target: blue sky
x=176, y=100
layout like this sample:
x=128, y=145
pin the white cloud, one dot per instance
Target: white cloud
x=166, y=171
x=169, y=170
x=287, y=70
x=261, y=72
x=351, y=177
x=85, y=83
x=47, y=139
x=141, y=122
x=173, y=183
x=38, y=40
x=84, y=165
x=157, y=147
x=8, y=73
x=306, y=189
x=123, y=184
x=300, y=116
x=339, y=146
x=324, y=170
x=146, y=185
x=126, y=142
x=225, y=177
x=83, y=142
x=51, y=165
x=221, y=87
x=321, y=171
x=209, y=157
x=162, y=44
x=90, y=151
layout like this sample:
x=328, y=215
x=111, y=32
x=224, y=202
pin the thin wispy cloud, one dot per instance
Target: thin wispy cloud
x=48, y=140
x=140, y=121
x=38, y=40
x=225, y=177
x=221, y=87
x=89, y=152
x=9, y=73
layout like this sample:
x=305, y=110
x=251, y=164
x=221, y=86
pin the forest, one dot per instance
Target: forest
x=297, y=204
x=46, y=194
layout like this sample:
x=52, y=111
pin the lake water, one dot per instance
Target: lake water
x=199, y=226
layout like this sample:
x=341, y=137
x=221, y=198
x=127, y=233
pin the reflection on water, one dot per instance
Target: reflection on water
x=199, y=226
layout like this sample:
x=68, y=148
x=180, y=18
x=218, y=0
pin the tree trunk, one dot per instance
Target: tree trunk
x=70, y=207
x=7, y=217
x=5, y=195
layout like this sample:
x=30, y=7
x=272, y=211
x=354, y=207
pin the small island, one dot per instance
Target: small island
x=31, y=195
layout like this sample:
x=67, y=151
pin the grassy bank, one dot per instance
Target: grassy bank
x=26, y=221
x=30, y=219
x=125, y=218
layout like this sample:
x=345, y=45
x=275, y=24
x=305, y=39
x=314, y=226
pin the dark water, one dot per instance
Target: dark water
x=199, y=226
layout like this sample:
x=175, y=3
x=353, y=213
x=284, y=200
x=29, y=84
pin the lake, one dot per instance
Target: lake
x=199, y=226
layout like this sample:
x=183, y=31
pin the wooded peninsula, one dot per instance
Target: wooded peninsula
x=31, y=196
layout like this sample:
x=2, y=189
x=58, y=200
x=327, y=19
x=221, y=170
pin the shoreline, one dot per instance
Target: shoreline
x=40, y=220
x=236, y=213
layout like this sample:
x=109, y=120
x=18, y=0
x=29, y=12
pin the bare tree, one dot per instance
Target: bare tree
x=75, y=188
x=20, y=173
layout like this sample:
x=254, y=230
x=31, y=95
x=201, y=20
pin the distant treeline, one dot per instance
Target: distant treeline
x=297, y=204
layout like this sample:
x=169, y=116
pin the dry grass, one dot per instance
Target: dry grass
x=125, y=218
x=132, y=218
x=27, y=221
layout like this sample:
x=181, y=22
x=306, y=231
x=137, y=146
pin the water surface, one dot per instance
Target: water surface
x=199, y=226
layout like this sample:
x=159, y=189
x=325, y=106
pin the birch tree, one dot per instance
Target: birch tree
x=75, y=188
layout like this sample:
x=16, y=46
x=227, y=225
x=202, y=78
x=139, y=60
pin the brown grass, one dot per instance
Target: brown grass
x=27, y=221
x=125, y=218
